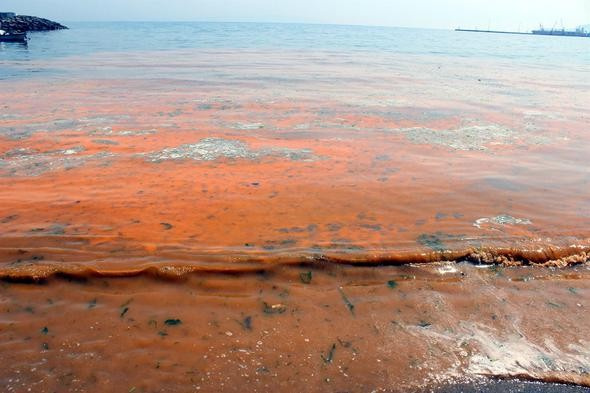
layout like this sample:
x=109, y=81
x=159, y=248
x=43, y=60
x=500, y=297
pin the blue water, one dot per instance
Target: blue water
x=90, y=38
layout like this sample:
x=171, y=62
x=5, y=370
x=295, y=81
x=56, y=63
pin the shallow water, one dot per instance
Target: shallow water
x=280, y=156
x=225, y=164
x=318, y=327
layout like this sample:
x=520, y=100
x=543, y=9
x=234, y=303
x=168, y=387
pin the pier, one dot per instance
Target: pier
x=580, y=32
x=493, y=31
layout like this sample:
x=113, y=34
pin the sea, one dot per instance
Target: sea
x=291, y=207
x=88, y=38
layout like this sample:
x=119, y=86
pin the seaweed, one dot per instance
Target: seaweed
x=497, y=269
x=8, y=219
x=330, y=356
x=306, y=277
x=45, y=330
x=334, y=227
x=123, y=311
x=391, y=284
x=431, y=241
x=128, y=302
x=310, y=228
x=124, y=307
x=372, y=227
x=347, y=301
x=345, y=344
x=246, y=323
x=436, y=241
x=424, y=324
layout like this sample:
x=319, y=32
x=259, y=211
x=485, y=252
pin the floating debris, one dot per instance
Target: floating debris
x=473, y=137
x=105, y=142
x=248, y=126
x=166, y=226
x=25, y=131
x=25, y=162
x=108, y=131
x=55, y=229
x=19, y=152
x=70, y=151
x=501, y=220
x=273, y=308
x=210, y=149
x=172, y=322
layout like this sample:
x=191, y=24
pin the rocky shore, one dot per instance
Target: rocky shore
x=29, y=23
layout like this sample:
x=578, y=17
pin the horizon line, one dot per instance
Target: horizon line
x=262, y=22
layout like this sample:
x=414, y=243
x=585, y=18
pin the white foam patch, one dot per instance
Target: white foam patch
x=501, y=220
x=513, y=355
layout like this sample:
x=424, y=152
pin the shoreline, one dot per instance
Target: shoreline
x=400, y=329
x=37, y=267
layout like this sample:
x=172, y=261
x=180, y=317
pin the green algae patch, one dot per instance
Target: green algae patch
x=306, y=277
x=392, y=284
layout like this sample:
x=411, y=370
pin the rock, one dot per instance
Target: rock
x=24, y=23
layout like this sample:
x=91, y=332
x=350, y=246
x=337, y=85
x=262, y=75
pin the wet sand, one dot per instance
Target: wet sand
x=156, y=227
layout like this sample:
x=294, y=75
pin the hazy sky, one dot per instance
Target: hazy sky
x=497, y=14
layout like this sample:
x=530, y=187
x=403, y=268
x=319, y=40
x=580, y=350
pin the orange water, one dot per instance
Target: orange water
x=219, y=163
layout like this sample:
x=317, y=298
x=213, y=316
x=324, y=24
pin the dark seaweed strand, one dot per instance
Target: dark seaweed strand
x=347, y=301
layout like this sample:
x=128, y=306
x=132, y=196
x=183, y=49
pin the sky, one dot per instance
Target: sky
x=446, y=14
